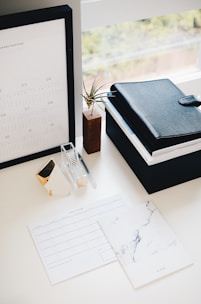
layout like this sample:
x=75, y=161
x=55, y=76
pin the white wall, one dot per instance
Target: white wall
x=13, y=6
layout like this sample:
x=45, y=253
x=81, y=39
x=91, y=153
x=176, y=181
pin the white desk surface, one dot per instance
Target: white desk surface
x=23, y=280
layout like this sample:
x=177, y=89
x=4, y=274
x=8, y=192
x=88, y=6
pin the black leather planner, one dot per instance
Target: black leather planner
x=154, y=112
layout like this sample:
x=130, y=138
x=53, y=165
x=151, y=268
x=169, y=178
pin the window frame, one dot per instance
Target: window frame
x=113, y=11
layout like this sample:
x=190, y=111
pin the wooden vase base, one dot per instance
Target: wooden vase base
x=91, y=131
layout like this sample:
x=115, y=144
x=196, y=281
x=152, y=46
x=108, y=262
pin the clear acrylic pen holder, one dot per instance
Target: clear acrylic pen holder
x=72, y=166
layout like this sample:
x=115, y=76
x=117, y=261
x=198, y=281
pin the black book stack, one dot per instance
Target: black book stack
x=158, y=131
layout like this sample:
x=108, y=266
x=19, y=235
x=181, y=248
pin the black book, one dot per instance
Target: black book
x=154, y=111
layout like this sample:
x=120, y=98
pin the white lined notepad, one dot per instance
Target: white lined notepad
x=72, y=243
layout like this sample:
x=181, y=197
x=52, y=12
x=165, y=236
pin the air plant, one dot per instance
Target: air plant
x=95, y=95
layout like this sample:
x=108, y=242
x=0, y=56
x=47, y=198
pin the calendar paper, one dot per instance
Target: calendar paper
x=34, y=100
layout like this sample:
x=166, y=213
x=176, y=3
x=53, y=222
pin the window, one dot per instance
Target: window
x=139, y=50
x=121, y=50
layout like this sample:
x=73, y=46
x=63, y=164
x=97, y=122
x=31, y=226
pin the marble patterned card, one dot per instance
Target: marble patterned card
x=144, y=244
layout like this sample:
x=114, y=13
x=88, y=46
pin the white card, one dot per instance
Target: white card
x=72, y=243
x=145, y=245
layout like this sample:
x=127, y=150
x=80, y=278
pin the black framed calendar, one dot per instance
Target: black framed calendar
x=36, y=84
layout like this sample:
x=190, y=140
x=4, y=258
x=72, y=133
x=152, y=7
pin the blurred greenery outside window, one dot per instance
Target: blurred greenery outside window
x=144, y=49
